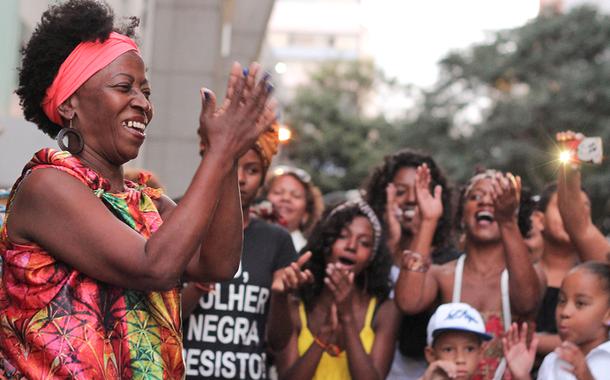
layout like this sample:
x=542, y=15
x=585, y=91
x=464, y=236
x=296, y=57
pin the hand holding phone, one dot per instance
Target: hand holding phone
x=576, y=148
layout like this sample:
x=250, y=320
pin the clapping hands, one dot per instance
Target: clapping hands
x=340, y=282
x=246, y=112
x=291, y=278
x=430, y=205
x=506, y=196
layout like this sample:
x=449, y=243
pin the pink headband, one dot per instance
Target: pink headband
x=86, y=59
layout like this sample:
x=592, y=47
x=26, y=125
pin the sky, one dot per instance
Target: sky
x=408, y=37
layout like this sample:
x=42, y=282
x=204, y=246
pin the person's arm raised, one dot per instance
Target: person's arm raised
x=525, y=284
x=219, y=255
x=575, y=212
x=48, y=210
x=417, y=288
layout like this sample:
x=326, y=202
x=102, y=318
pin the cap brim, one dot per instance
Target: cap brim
x=483, y=336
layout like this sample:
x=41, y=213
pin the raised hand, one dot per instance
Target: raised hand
x=246, y=112
x=440, y=370
x=570, y=353
x=568, y=141
x=340, y=282
x=519, y=357
x=506, y=195
x=430, y=206
x=392, y=220
x=292, y=277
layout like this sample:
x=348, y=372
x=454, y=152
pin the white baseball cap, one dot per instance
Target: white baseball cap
x=456, y=317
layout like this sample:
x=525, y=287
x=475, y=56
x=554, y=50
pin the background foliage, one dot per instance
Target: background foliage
x=497, y=104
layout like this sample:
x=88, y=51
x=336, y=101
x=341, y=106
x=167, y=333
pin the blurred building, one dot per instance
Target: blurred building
x=186, y=44
x=304, y=33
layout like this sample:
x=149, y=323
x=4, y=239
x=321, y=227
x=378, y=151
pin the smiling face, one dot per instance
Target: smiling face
x=112, y=109
x=354, y=245
x=461, y=348
x=408, y=213
x=288, y=195
x=478, y=215
x=583, y=310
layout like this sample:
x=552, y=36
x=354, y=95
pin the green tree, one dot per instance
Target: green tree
x=499, y=104
x=332, y=138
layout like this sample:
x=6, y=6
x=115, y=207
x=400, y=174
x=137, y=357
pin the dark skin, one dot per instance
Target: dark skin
x=400, y=195
x=338, y=316
x=558, y=257
x=48, y=209
x=490, y=248
x=583, y=314
x=570, y=236
x=285, y=280
x=587, y=238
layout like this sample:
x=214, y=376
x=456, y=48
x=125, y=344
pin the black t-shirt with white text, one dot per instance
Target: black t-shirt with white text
x=224, y=336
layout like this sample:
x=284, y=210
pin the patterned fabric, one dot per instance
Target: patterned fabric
x=57, y=323
x=492, y=354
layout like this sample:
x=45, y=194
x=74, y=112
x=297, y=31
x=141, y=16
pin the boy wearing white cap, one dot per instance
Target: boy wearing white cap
x=455, y=335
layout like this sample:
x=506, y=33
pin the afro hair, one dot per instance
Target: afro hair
x=62, y=27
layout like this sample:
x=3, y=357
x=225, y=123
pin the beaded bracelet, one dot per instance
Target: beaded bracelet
x=415, y=262
x=331, y=349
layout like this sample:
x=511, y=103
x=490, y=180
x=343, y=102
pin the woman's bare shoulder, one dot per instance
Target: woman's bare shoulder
x=40, y=189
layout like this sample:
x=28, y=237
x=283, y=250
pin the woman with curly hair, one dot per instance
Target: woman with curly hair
x=297, y=200
x=345, y=326
x=495, y=274
x=391, y=192
x=92, y=263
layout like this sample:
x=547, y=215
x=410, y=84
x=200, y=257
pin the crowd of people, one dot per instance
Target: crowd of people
x=249, y=275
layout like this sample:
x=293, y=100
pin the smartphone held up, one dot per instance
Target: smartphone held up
x=580, y=149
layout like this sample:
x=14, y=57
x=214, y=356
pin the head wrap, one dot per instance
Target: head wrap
x=368, y=213
x=84, y=61
x=267, y=145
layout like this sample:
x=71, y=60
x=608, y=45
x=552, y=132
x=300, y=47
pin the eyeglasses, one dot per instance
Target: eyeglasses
x=301, y=174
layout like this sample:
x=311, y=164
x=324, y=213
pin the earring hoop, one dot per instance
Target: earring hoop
x=67, y=131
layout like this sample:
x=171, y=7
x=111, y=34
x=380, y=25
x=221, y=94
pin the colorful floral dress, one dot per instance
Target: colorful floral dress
x=57, y=323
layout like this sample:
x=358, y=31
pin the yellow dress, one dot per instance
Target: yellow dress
x=336, y=367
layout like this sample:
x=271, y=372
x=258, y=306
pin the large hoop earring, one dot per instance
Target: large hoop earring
x=66, y=131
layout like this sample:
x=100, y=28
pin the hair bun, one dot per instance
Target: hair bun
x=78, y=20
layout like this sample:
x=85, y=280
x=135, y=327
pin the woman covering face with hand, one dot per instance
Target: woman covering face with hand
x=91, y=262
x=345, y=326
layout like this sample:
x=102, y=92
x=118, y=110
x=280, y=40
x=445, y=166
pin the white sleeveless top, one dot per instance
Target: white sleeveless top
x=506, y=314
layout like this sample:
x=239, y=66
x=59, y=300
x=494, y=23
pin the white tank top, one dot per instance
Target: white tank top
x=506, y=314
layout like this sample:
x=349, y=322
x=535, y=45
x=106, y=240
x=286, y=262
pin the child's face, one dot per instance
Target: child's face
x=583, y=309
x=462, y=348
x=354, y=245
